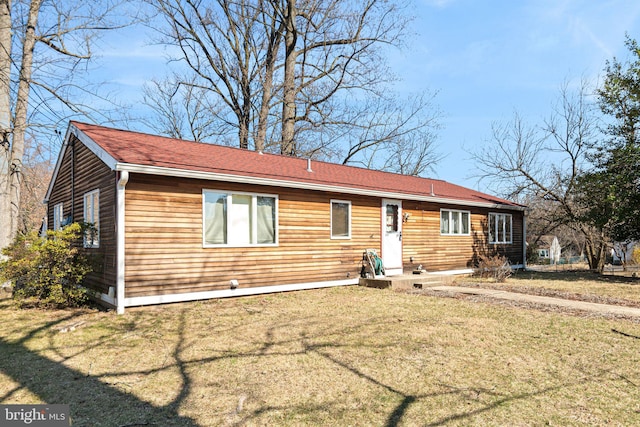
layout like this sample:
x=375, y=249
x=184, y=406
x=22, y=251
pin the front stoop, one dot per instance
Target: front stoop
x=406, y=281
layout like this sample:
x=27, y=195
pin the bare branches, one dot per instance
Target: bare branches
x=184, y=111
x=288, y=73
x=513, y=159
x=543, y=163
x=52, y=46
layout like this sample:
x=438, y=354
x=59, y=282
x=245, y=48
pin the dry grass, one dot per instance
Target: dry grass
x=343, y=356
x=574, y=284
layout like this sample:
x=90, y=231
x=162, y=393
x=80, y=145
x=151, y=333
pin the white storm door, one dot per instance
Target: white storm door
x=392, y=236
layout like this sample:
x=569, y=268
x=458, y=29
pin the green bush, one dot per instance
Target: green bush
x=47, y=271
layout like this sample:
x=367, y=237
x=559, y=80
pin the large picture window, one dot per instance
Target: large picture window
x=92, y=219
x=340, y=219
x=500, y=228
x=239, y=219
x=454, y=222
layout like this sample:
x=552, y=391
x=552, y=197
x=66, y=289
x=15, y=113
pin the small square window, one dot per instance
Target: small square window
x=340, y=219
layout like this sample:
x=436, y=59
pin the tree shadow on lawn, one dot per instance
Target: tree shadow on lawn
x=407, y=400
x=89, y=397
x=92, y=402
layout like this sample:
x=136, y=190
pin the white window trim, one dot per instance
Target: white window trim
x=58, y=216
x=254, y=202
x=468, y=233
x=348, y=236
x=96, y=213
x=495, y=216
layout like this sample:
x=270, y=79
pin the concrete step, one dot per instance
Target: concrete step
x=406, y=281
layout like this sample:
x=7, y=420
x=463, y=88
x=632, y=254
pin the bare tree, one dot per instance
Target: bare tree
x=336, y=50
x=183, y=111
x=301, y=77
x=37, y=169
x=394, y=134
x=223, y=43
x=52, y=40
x=543, y=163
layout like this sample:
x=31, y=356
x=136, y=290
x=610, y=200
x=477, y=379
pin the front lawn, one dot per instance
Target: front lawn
x=341, y=356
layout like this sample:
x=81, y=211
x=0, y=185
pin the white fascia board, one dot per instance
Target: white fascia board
x=227, y=293
x=106, y=158
x=212, y=176
x=89, y=143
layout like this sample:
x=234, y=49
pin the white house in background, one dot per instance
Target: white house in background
x=550, y=249
x=554, y=251
x=622, y=252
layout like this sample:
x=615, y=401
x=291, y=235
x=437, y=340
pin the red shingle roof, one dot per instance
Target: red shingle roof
x=142, y=149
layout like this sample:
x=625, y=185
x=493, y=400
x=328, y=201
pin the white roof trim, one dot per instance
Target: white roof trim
x=89, y=143
x=212, y=176
x=95, y=148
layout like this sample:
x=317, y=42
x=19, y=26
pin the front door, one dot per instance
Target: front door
x=392, y=236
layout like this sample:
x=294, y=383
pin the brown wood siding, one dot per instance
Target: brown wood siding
x=90, y=173
x=164, y=251
x=424, y=244
x=165, y=255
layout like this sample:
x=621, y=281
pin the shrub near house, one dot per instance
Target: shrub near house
x=46, y=271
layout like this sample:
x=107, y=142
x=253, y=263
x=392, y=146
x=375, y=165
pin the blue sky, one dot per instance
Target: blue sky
x=485, y=59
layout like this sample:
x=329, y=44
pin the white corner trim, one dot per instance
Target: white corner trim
x=226, y=293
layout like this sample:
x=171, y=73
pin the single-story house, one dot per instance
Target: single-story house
x=177, y=220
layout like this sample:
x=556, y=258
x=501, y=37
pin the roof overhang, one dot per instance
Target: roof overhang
x=240, y=179
x=72, y=130
x=114, y=165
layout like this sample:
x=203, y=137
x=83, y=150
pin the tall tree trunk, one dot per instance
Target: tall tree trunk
x=596, y=253
x=289, y=89
x=5, y=121
x=275, y=39
x=20, y=120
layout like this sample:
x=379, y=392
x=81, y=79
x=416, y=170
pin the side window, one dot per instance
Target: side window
x=92, y=219
x=500, y=228
x=340, y=219
x=454, y=222
x=58, y=212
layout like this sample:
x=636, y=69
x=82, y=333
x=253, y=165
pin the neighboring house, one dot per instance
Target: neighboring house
x=177, y=220
x=549, y=248
x=622, y=252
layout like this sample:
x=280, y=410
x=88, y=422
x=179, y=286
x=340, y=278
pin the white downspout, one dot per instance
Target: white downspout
x=120, y=231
